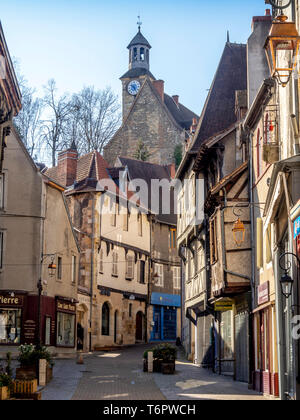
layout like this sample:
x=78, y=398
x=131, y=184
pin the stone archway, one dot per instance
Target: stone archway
x=82, y=328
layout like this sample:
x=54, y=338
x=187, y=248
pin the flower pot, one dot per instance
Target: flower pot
x=157, y=365
x=168, y=367
x=26, y=372
x=4, y=393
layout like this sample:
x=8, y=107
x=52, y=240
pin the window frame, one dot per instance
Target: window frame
x=129, y=264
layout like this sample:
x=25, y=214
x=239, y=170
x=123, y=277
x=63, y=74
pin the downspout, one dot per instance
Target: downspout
x=253, y=247
x=92, y=271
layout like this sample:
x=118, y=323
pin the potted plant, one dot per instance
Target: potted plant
x=166, y=354
x=156, y=361
x=29, y=357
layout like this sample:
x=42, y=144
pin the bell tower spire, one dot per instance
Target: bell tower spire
x=139, y=48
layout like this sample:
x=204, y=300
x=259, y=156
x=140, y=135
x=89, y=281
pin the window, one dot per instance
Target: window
x=59, y=268
x=130, y=310
x=113, y=212
x=142, y=54
x=65, y=329
x=101, y=261
x=115, y=264
x=213, y=241
x=126, y=220
x=74, y=267
x=173, y=235
x=1, y=249
x=135, y=54
x=176, y=277
x=159, y=270
x=2, y=180
x=10, y=326
x=140, y=223
x=105, y=319
x=129, y=267
x=142, y=272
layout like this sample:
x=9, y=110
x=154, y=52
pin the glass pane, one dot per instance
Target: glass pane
x=10, y=326
x=65, y=329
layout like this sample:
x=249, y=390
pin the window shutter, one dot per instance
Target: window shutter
x=259, y=242
x=268, y=245
x=101, y=261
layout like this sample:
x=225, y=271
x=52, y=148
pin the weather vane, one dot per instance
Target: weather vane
x=139, y=23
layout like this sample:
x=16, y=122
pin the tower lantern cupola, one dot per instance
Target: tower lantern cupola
x=139, y=49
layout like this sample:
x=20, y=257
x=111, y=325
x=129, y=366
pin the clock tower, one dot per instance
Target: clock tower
x=139, y=65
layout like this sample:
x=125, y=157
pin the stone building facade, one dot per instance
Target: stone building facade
x=150, y=117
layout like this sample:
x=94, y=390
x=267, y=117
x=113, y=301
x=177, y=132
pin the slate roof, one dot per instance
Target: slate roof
x=137, y=72
x=219, y=109
x=139, y=39
x=182, y=115
x=148, y=171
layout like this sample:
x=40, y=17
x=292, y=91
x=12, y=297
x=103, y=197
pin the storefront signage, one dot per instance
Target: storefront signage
x=223, y=306
x=7, y=300
x=297, y=227
x=29, y=331
x=164, y=299
x=263, y=293
x=66, y=307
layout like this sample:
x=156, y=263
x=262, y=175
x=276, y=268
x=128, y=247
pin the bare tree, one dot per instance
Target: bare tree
x=28, y=121
x=94, y=120
x=54, y=126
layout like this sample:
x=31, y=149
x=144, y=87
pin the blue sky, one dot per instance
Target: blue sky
x=83, y=42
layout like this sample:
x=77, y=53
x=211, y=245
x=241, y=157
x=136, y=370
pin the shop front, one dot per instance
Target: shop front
x=19, y=321
x=165, y=317
x=265, y=376
x=11, y=318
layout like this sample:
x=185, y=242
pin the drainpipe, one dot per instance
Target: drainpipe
x=92, y=271
x=253, y=247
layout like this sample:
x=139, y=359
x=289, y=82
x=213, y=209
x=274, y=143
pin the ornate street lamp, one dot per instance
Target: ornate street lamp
x=239, y=232
x=286, y=281
x=283, y=37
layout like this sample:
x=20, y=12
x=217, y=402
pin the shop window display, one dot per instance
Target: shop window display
x=10, y=326
x=65, y=330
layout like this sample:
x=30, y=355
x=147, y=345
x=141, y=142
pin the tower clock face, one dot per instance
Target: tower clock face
x=134, y=87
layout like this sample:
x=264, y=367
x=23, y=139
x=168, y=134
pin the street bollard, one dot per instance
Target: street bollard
x=150, y=361
x=80, y=360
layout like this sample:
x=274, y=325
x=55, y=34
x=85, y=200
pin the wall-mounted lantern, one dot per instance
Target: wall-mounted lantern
x=52, y=269
x=286, y=281
x=239, y=232
x=283, y=37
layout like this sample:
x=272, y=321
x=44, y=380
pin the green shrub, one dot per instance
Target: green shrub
x=5, y=380
x=30, y=355
x=165, y=352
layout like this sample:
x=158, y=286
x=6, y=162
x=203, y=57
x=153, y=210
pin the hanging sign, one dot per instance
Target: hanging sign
x=223, y=306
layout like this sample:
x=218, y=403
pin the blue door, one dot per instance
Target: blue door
x=170, y=324
x=157, y=323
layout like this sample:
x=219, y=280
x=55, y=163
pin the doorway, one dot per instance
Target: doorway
x=139, y=326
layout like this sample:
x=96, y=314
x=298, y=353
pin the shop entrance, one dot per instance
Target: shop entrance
x=139, y=326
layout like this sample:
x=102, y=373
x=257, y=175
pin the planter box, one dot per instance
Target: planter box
x=26, y=372
x=168, y=368
x=4, y=393
x=49, y=374
x=25, y=387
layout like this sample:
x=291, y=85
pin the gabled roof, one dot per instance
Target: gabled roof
x=219, y=109
x=139, y=39
x=90, y=167
x=182, y=115
x=149, y=171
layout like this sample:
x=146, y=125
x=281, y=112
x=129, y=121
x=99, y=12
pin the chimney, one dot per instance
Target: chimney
x=172, y=170
x=194, y=125
x=67, y=166
x=176, y=99
x=160, y=87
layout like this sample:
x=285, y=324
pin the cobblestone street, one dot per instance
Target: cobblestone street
x=118, y=375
